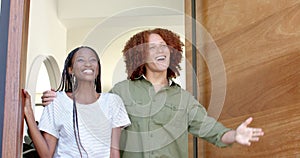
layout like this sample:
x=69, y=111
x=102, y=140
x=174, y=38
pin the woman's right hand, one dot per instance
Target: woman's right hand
x=48, y=97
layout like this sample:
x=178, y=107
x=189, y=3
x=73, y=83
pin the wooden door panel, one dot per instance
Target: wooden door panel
x=15, y=78
x=259, y=42
x=282, y=135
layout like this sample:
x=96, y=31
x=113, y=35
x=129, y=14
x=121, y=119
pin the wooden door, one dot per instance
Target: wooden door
x=259, y=41
x=12, y=136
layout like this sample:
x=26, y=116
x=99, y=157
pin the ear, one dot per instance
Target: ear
x=70, y=70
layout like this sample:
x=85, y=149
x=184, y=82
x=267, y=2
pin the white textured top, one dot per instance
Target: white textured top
x=95, y=122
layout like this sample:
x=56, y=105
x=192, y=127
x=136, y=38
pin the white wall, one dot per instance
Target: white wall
x=46, y=36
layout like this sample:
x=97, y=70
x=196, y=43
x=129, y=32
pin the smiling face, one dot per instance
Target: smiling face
x=85, y=65
x=158, y=59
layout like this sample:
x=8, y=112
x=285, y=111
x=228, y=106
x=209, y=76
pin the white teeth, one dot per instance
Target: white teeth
x=161, y=58
x=88, y=71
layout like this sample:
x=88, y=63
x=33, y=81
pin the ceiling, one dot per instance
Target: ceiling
x=76, y=13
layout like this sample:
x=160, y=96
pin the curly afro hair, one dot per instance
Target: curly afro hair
x=136, y=49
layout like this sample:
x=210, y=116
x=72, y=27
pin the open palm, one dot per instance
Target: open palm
x=245, y=135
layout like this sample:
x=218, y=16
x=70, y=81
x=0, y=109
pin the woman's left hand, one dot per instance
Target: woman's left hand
x=27, y=102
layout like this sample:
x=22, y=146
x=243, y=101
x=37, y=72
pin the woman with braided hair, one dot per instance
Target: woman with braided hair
x=81, y=121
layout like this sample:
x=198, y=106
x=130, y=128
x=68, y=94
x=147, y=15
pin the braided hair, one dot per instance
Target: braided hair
x=68, y=84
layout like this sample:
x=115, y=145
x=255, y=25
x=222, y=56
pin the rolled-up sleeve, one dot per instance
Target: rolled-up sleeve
x=203, y=126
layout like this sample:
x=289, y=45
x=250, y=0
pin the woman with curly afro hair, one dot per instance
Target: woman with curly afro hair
x=161, y=112
x=136, y=59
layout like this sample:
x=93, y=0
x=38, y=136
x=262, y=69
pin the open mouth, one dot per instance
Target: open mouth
x=88, y=71
x=160, y=58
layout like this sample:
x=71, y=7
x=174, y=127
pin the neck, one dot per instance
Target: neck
x=86, y=93
x=158, y=80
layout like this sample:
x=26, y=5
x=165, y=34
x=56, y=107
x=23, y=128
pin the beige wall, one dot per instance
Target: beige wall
x=46, y=37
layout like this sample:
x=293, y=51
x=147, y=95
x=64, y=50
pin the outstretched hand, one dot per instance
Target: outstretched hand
x=245, y=135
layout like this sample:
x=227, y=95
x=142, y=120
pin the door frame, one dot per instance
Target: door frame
x=13, y=117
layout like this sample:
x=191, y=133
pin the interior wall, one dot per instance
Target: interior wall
x=259, y=42
x=46, y=46
x=47, y=35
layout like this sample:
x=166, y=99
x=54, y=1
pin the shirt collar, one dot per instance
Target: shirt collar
x=171, y=82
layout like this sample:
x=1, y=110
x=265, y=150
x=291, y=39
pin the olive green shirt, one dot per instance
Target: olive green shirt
x=160, y=121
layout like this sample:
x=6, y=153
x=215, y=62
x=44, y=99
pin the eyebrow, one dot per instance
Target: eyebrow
x=153, y=43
